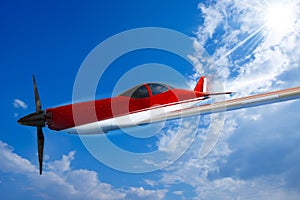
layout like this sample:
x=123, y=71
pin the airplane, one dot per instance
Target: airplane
x=143, y=104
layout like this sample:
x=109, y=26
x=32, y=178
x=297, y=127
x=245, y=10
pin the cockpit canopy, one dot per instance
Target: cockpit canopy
x=142, y=91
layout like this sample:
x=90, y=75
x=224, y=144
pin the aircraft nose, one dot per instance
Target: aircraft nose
x=20, y=121
x=33, y=119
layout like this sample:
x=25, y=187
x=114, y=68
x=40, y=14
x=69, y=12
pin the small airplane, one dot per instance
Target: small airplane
x=142, y=104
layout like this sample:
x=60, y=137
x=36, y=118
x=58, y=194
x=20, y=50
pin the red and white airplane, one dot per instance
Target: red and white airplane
x=142, y=104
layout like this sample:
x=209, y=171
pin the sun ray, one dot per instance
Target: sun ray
x=258, y=8
x=297, y=28
x=241, y=43
x=277, y=20
x=255, y=40
x=266, y=2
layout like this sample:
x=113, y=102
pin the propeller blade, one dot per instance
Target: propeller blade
x=37, y=119
x=40, y=140
x=38, y=105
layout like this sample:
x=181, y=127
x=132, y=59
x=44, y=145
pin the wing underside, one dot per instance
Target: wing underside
x=233, y=104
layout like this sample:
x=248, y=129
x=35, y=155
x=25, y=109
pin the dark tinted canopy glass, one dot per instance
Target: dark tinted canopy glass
x=137, y=92
x=157, y=88
x=141, y=91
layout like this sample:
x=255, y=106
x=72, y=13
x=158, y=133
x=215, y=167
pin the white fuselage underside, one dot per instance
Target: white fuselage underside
x=132, y=119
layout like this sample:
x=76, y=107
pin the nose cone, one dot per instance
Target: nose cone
x=33, y=119
x=21, y=121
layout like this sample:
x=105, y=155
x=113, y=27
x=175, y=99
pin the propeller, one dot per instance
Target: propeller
x=37, y=119
x=39, y=131
x=38, y=105
x=40, y=141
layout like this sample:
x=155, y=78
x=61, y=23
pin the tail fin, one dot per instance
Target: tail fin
x=201, y=85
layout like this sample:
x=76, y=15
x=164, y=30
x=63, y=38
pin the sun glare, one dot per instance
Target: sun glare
x=280, y=18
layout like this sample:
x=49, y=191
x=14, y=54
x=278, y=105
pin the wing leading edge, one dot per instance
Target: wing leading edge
x=233, y=104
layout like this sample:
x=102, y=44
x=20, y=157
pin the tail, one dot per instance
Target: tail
x=201, y=85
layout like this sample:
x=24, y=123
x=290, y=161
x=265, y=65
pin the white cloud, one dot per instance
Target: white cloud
x=10, y=162
x=141, y=193
x=191, y=167
x=229, y=188
x=175, y=139
x=59, y=180
x=150, y=182
x=242, y=38
x=178, y=192
x=211, y=21
x=249, y=161
x=19, y=104
x=62, y=165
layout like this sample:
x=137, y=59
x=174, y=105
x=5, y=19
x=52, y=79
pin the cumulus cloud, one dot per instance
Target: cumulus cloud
x=250, y=161
x=141, y=193
x=19, y=104
x=13, y=162
x=174, y=138
x=62, y=165
x=230, y=188
x=61, y=180
x=241, y=48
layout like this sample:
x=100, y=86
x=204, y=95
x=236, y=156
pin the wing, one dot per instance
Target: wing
x=233, y=104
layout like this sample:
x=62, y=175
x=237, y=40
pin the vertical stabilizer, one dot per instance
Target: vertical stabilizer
x=201, y=85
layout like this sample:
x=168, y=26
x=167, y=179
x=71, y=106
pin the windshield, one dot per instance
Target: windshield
x=136, y=92
x=141, y=91
x=157, y=88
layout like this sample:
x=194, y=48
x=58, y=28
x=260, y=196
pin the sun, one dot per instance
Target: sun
x=280, y=18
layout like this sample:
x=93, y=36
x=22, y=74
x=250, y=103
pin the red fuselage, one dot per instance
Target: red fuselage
x=139, y=98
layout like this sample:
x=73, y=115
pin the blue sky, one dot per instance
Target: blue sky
x=253, y=51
